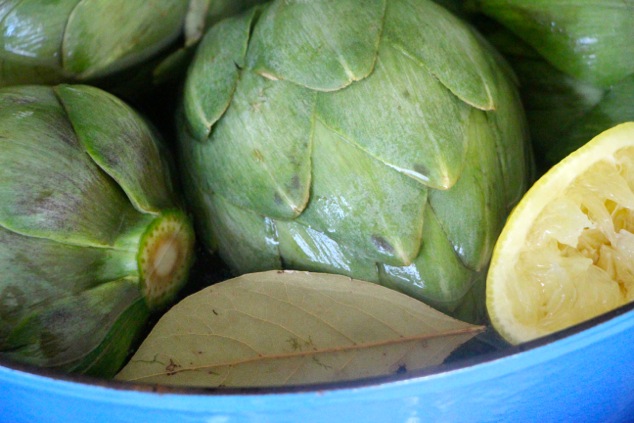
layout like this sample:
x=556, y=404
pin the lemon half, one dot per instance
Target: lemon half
x=566, y=253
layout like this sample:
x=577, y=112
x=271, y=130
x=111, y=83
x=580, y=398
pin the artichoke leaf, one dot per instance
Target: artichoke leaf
x=447, y=47
x=121, y=143
x=324, y=45
x=616, y=106
x=354, y=202
x=48, y=200
x=17, y=73
x=31, y=31
x=202, y=16
x=7, y=6
x=442, y=278
x=110, y=355
x=305, y=248
x=194, y=24
x=70, y=332
x=473, y=211
x=218, y=10
x=258, y=156
x=284, y=328
x=472, y=309
x=251, y=237
x=205, y=14
x=214, y=73
x=587, y=39
x=211, y=222
x=53, y=271
x=514, y=153
x=93, y=47
x=402, y=115
x=194, y=189
x=562, y=111
x=554, y=101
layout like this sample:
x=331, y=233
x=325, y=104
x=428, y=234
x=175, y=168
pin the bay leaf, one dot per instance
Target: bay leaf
x=285, y=328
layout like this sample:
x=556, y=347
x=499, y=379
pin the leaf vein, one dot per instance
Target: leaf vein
x=330, y=350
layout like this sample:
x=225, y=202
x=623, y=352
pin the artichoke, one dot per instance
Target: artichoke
x=575, y=63
x=93, y=238
x=119, y=44
x=380, y=140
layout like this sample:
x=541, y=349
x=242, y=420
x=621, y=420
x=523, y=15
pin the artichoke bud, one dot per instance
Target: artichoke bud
x=575, y=65
x=72, y=40
x=383, y=140
x=121, y=45
x=589, y=40
x=93, y=237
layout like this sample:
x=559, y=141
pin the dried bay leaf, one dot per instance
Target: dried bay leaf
x=282, y=328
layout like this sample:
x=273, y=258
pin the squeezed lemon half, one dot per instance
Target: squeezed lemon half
x=566, y=253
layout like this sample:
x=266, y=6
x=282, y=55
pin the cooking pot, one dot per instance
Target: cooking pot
x=582, y=374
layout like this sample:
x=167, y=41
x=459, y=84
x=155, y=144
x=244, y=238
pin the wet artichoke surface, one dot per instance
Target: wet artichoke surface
x=93, y=238
x=388, y=147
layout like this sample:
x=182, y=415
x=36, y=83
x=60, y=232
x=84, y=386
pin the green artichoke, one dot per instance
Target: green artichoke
x=380, y=140
x=119, y=44
x=575, y=63
x=93, y=238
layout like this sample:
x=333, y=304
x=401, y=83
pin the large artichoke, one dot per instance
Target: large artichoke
x=575, y=63
x=378, y=139
x=92, y=235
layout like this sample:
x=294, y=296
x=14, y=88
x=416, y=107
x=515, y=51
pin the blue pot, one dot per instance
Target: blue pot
x=584, y=374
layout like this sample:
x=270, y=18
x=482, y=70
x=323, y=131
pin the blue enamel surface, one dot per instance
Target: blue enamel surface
x=587, y=376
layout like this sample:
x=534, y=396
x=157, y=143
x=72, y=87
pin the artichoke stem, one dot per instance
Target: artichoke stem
x=164, y=258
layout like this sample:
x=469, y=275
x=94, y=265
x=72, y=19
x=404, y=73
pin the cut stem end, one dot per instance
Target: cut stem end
x=165, y=257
